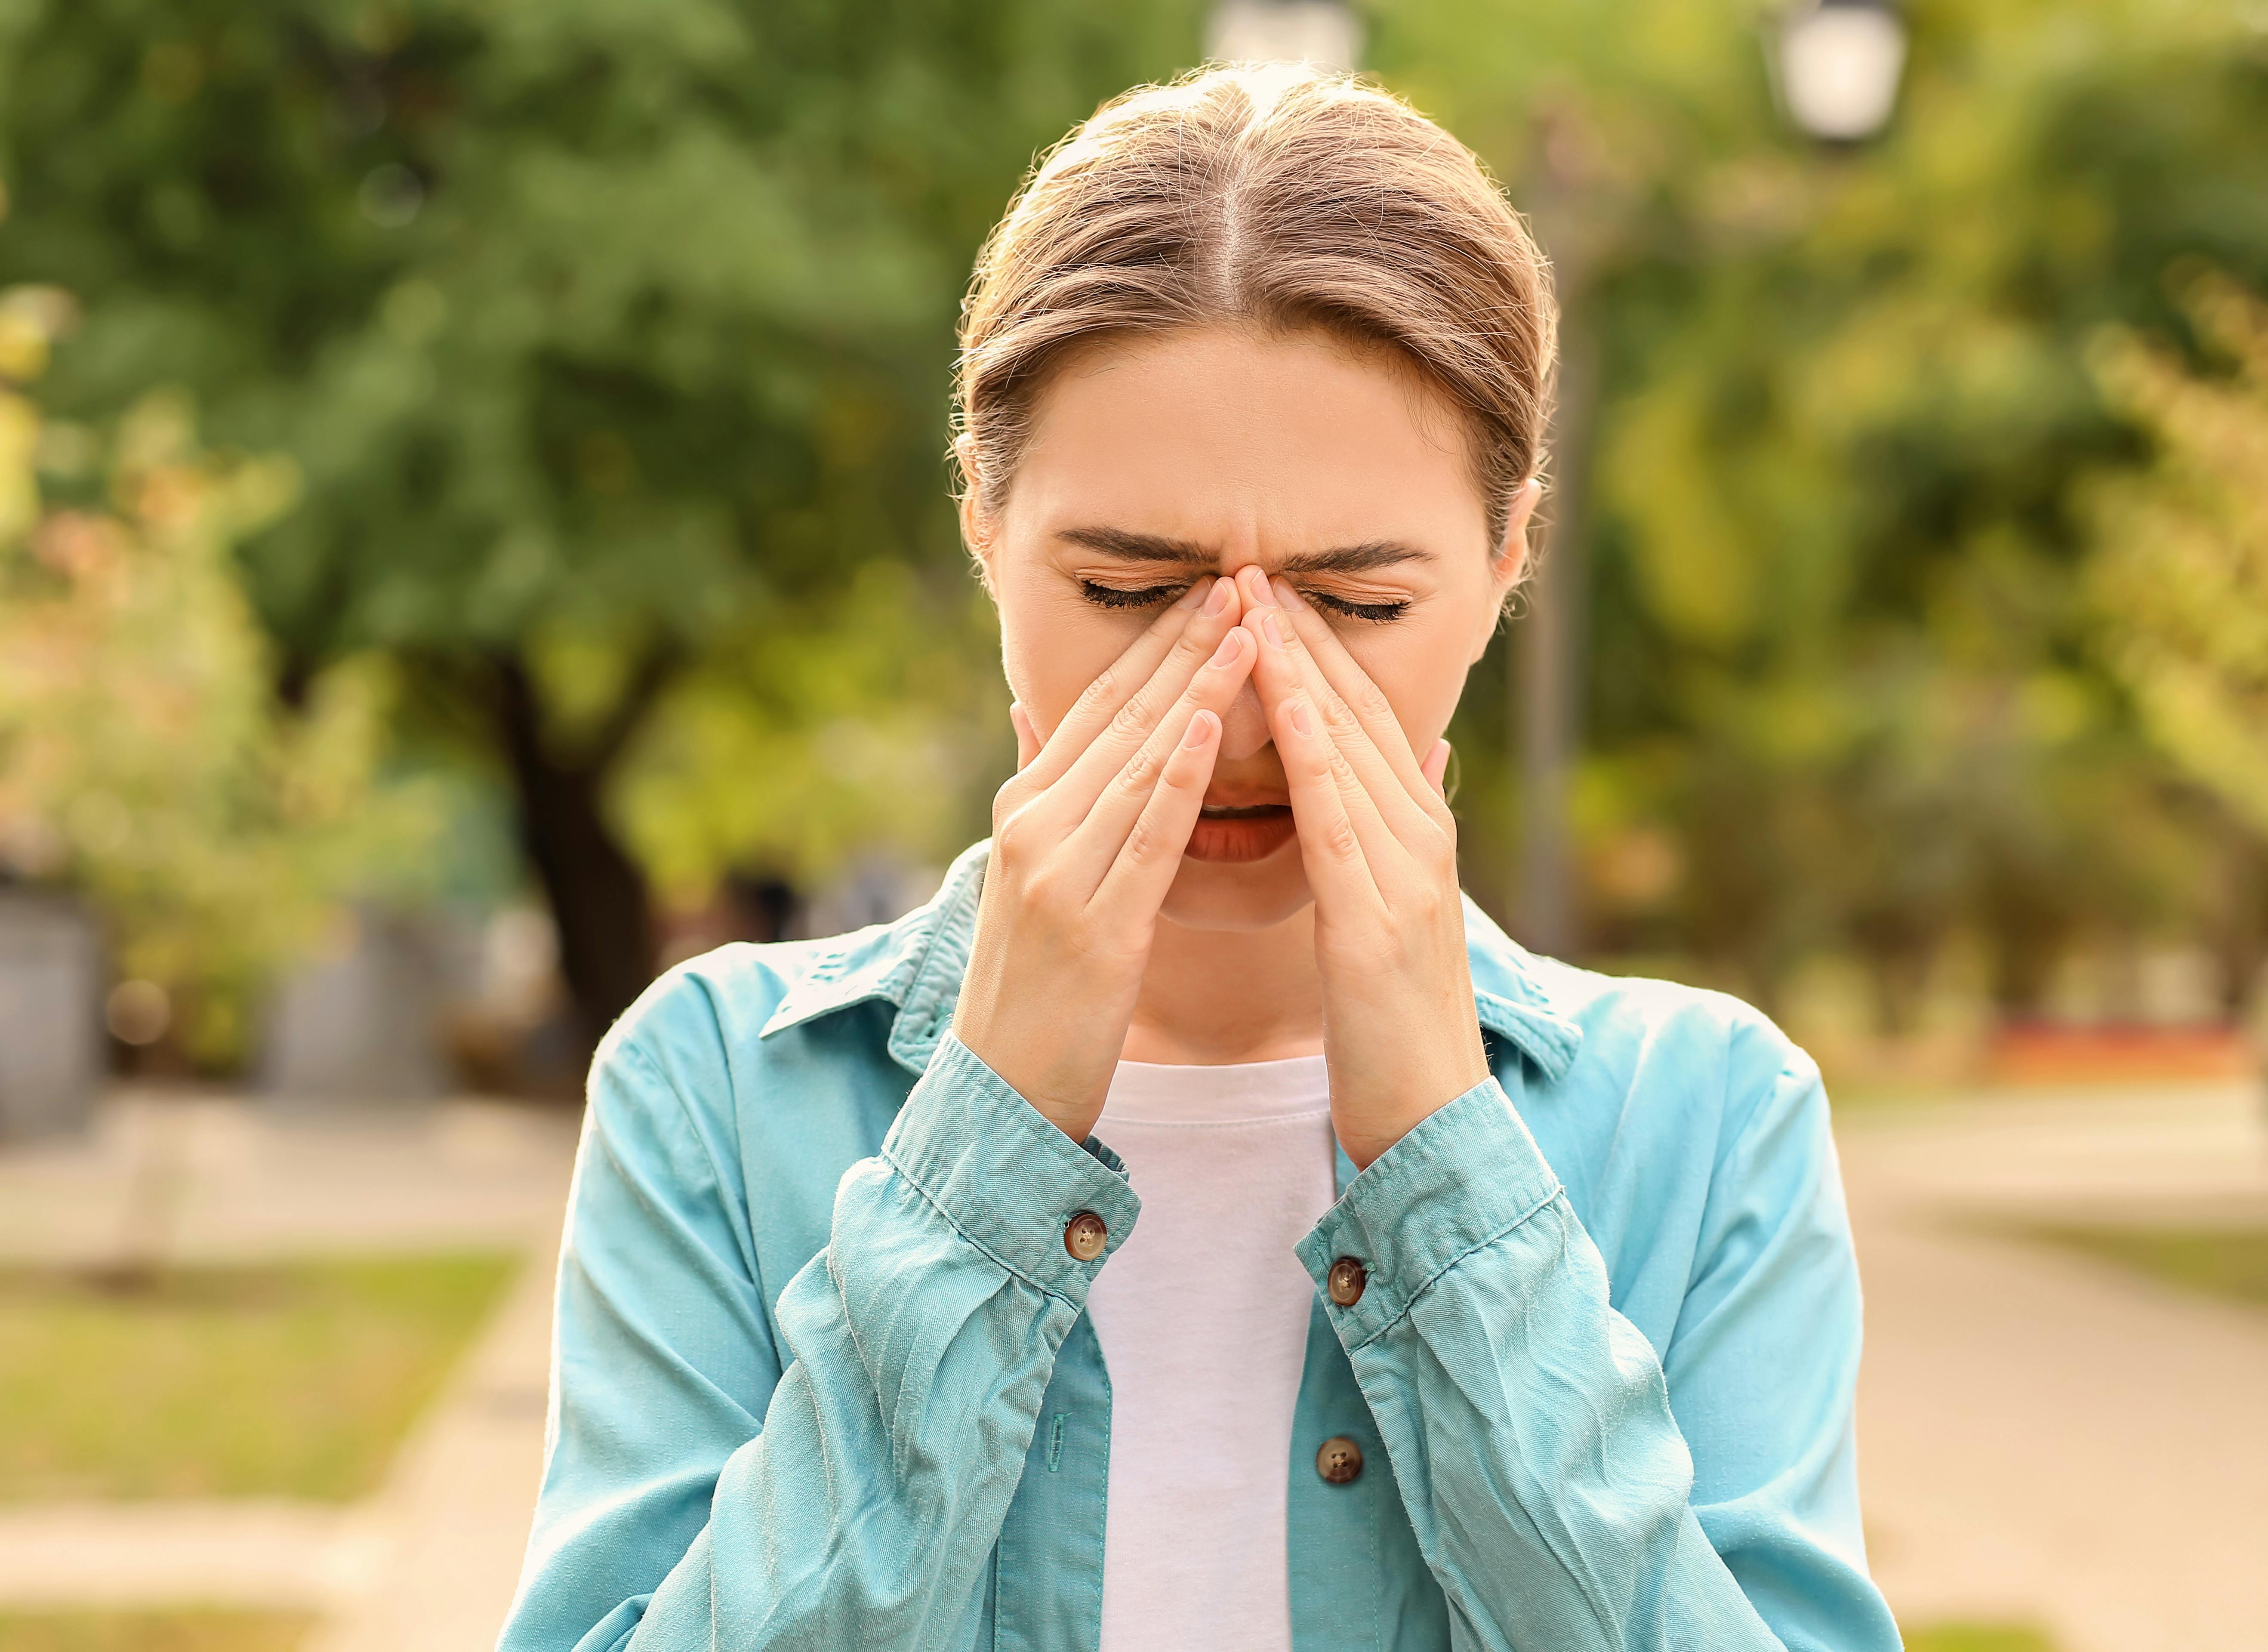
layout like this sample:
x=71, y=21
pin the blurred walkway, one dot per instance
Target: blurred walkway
x=427, y=1564
x=2044, y=1436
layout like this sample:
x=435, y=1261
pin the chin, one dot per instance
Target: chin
x=1248, y=894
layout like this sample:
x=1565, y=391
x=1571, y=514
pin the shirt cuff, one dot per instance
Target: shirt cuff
x=1004, y=1176
x=1464, y=1178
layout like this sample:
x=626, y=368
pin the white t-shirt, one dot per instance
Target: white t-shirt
x=1202, y=1317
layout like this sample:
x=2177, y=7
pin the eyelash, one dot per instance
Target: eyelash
x=1151, y=596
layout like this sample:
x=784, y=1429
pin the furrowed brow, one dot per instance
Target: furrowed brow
x=1117, y=542
x=1153, y=548
x=1378, y=553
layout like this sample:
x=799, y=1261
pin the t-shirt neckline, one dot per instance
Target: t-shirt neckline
x=1244, y=1092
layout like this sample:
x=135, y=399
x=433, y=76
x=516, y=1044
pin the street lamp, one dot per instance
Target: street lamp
x=1325, y=32
x=1837, y=66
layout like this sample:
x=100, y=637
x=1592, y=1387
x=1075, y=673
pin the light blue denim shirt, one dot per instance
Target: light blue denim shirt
x=823, y=1376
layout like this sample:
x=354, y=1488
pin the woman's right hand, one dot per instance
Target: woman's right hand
x=1086, y=839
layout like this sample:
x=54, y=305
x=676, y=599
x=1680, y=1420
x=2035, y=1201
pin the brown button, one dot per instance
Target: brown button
x=1085, y=1235
x=1339, y=1461
x=1344, y=1282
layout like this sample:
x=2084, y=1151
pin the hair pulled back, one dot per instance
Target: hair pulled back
x=1276, y=196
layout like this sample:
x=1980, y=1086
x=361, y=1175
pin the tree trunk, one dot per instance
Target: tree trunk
x=2237, y=930
x=598, y=893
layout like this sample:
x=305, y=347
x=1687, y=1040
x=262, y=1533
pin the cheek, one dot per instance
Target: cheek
x=1421, y=672
x=1051, y=648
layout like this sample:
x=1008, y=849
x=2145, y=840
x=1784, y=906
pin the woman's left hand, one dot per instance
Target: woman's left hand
x=1380, y=849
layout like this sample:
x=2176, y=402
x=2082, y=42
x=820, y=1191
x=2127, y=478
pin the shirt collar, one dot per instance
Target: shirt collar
x=917, y=964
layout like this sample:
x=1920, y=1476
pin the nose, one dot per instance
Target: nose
x=1243, y=726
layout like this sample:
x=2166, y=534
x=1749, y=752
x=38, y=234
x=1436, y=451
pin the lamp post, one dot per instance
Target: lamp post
x=1836, y=65
x=1325, y=32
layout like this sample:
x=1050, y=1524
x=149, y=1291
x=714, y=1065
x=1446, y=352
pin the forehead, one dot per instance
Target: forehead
x=1221, y=434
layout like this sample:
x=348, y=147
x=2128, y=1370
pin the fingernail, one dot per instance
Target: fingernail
x=1200, y=730
x=1260, y=586
x=1284, y=595
x=1231, y=646
x=1191, y=597
x=1296, y=710
x=1217, y=602
x=1271, y=627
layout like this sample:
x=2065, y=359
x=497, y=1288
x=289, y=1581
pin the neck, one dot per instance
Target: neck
x=1213, y=998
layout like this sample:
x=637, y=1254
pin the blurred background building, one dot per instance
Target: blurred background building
x=473, y=530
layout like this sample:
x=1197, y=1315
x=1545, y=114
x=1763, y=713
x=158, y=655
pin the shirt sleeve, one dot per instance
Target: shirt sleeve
x=1534, y=1432
x=702, y=1490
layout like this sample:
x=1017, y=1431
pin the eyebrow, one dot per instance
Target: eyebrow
x=1129, y=546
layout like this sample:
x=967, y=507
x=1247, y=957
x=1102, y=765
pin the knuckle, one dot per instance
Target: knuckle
x=1041, y=890
x=1144, y=842
x=1339, y=841
x=1140, y=773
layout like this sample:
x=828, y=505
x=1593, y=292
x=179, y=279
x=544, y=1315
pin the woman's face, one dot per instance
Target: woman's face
x=1159, y=461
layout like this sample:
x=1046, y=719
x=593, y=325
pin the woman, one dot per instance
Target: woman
x=1443, y=1294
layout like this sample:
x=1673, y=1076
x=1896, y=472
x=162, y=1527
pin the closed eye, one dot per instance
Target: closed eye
x=1376, y=613
x=1115, y=596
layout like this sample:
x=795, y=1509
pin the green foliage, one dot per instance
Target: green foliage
x=1978, y=1637
x=610, y=344
x=2182, y=575
x=293, y=1380
x=2230, y=1262
x=826, y=740
x=1844, y=650
x=598, y=333
x=143, y=756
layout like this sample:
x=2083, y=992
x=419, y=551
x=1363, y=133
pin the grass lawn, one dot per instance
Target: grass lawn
x=296, y=1380
x=1978, y=1637
x=2225, y=1262
x=190, y=1631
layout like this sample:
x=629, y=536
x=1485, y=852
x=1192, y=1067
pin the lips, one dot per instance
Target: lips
x=1233, y=833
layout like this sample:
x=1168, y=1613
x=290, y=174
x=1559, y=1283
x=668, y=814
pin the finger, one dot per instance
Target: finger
x=1027, y=739
x=1149, y=857
x=1436, y=768
x=1330, y=842
x=1288, y=669
x=1353, y=686
x=1113, y=817
x=1071, y=797
x=1165, y=641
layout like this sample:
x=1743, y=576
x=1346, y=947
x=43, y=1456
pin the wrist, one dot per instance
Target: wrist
x=1371, y=1113
x=1069, y=1098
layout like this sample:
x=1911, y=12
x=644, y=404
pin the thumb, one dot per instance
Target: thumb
x=1436, y=765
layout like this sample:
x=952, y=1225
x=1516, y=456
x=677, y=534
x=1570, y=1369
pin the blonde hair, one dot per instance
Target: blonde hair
x=1278, y=196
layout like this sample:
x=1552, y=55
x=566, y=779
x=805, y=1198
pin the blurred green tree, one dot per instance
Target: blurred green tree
x=2179, y=580
x=1840, y=645
x=611, y=342
x=143, y=756
x=2182, y=573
